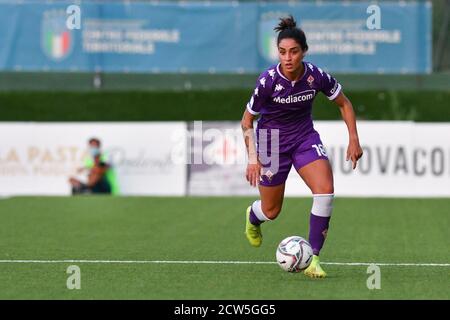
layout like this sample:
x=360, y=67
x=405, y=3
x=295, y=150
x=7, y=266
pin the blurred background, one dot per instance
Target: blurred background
x=162, y=86
x=141, y=75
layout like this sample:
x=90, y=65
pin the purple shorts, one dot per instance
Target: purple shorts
x=306, y=151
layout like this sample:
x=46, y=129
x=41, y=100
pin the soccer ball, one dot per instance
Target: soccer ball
x=294, y=254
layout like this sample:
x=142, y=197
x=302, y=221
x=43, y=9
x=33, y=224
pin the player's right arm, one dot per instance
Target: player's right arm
x=252, y=110
x=253, y=167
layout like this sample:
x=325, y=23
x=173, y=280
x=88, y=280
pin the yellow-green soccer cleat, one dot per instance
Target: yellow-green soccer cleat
x=315, y=270
x=252, y=232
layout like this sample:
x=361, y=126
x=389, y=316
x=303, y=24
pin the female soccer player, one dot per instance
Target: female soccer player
x=285, y=136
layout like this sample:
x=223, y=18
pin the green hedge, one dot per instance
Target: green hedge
x=207, y=105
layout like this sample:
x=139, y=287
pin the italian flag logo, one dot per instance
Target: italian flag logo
x=57, y=45
x=56, y=38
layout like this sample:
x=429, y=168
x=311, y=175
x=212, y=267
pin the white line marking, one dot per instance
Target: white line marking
x=223, y=262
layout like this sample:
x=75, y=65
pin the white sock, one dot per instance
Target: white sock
x=257, y=210
x=322, y=204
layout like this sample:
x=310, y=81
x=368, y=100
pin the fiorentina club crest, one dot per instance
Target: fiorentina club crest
x=56, y=38
x=310, y=80
x=269, y=175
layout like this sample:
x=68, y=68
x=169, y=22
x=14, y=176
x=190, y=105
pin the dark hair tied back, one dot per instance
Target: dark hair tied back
x=287, y=29
x=286, y=23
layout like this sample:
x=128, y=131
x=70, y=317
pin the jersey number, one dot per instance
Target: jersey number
x=320, y=150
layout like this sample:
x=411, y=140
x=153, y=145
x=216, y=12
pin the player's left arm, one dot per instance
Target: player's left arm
x=354, y=150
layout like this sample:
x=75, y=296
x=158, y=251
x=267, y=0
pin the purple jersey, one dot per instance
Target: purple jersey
x=287, y=105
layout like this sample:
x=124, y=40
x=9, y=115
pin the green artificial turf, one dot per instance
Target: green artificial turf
x=129, y=232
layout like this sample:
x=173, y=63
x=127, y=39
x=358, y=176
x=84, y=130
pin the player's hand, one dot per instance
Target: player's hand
x=354, y=152
x=253, y=173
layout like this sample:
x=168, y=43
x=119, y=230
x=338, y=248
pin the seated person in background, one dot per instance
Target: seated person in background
x=97, y=181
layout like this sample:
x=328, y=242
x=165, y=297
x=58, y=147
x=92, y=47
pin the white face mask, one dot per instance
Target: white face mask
x=94, y=151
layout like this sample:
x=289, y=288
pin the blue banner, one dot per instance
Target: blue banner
x=204, y=37
x=358, y=37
